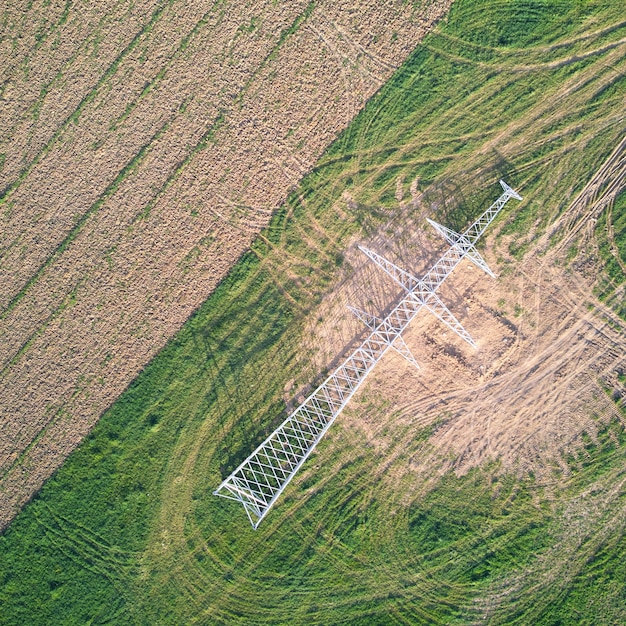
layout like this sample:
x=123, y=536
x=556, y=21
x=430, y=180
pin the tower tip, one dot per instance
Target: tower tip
x=510, y=191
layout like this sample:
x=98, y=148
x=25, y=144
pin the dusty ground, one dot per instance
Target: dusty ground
x=144, y=145
x=548, y=354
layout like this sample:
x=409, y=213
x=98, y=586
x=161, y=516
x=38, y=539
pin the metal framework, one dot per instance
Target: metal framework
x=263, y=476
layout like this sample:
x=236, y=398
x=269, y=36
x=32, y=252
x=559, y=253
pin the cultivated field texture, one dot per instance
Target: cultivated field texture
x=143, y=146
x=486, y=488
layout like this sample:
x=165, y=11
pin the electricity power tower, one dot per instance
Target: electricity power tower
x=262, y=477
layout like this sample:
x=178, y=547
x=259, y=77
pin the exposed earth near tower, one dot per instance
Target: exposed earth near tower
x=550, y=354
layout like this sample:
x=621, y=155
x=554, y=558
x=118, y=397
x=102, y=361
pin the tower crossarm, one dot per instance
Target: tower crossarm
x=371, y=321
x=453, y=238
x=387, y=333
x=464, y=245
x=405, y=279
x=441, y=311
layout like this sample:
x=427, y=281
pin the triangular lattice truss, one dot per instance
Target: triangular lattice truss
x=263, y=476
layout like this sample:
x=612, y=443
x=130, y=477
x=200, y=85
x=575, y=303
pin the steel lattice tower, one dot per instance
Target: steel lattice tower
x=262, y=477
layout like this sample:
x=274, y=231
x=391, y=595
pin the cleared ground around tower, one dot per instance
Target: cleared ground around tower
x=414, y=509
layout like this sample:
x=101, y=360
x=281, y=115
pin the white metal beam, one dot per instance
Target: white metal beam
x=394, y=339
x=471, y=253
x=421, y=293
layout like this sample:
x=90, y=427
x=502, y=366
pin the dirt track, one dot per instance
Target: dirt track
x=549, y=385
x=145, y=147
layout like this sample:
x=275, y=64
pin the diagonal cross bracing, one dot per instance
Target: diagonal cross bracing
x=263, y=476
x=394, y=339
x=454, y=238
x=422, y=293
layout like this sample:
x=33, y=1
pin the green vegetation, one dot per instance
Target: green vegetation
x=611, y=235
x=127, y=532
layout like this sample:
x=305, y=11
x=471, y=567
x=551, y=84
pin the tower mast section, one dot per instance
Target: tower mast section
x=261, y=478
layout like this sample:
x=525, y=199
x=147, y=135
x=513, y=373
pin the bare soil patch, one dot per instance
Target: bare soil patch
x=548, y=358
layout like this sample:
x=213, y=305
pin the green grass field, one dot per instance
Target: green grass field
x=127, y=532
x=611, y=229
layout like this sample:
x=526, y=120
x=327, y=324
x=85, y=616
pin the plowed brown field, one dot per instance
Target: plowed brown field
x=142, y=147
